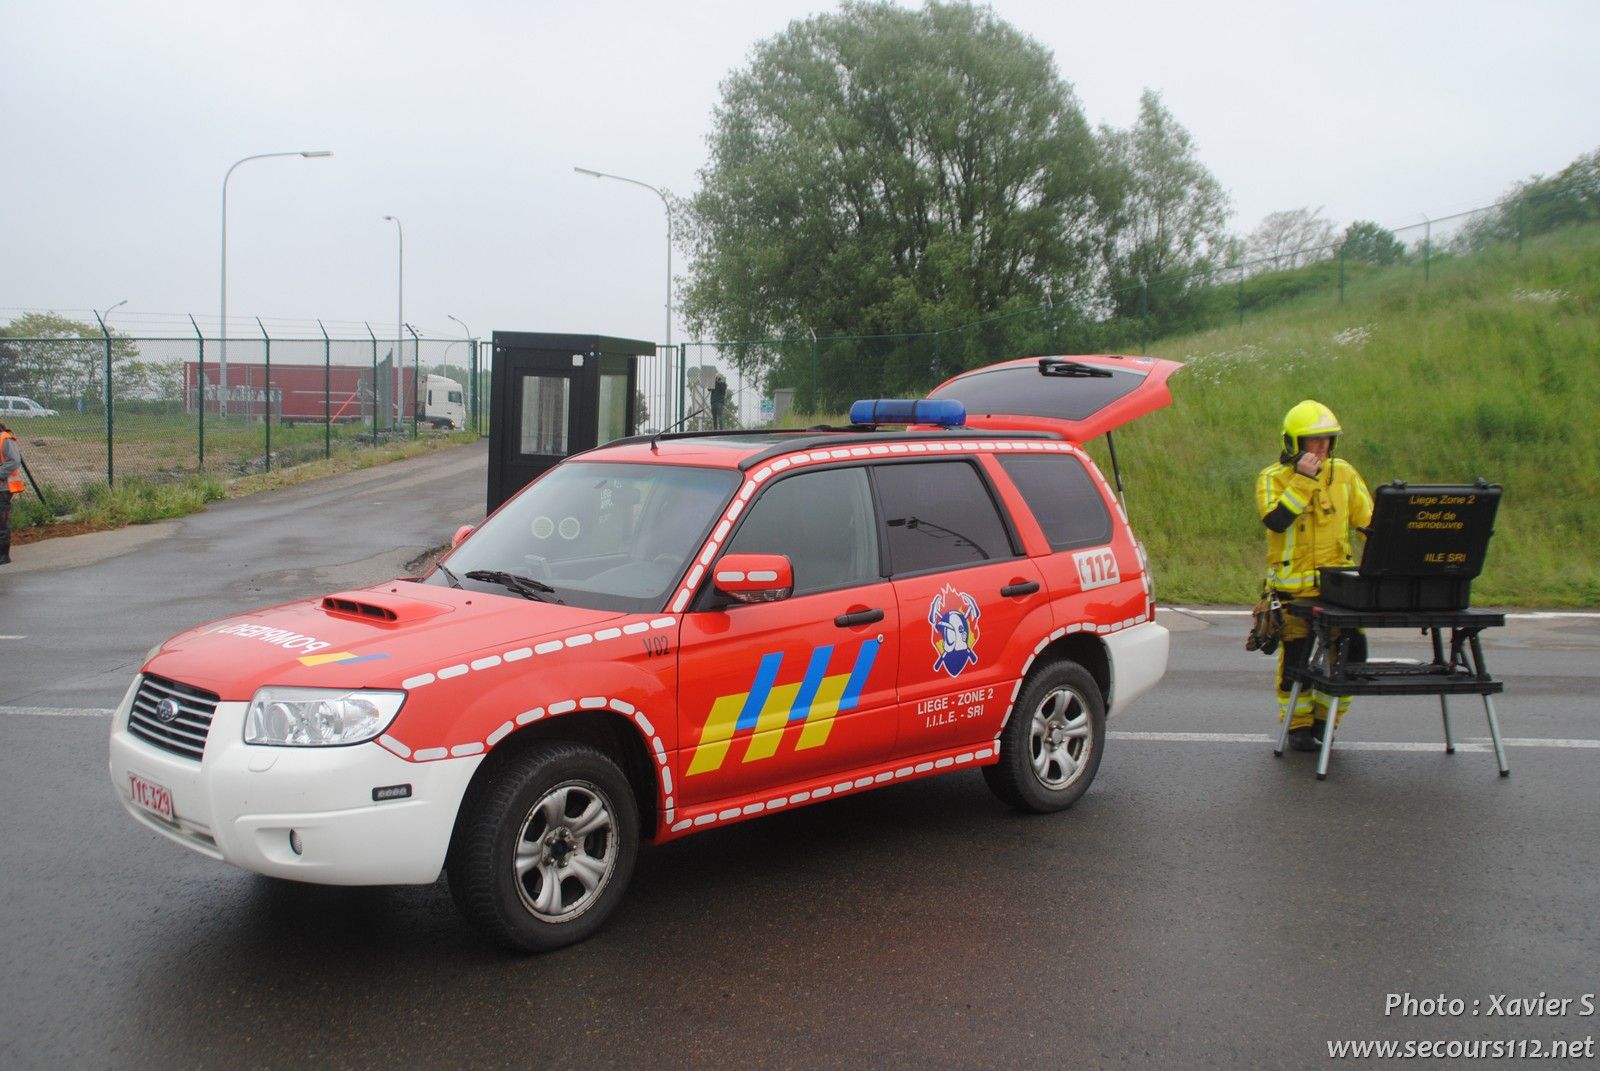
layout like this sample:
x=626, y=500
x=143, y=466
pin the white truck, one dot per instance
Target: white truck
x=443, y=404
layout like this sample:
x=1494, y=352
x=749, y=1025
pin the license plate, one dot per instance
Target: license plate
x=151, y=796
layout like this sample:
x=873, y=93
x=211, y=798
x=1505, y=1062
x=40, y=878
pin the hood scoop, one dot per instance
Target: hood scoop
x=377, y=610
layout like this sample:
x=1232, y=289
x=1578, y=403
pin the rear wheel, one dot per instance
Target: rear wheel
x=544, y=853
x=1051, y=746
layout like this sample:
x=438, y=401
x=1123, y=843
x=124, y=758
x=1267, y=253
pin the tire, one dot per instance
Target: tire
x=1050, y=748
x=543, y=853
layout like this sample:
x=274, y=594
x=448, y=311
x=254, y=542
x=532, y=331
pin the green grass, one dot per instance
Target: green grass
x=1490, y=367
x=138, y=500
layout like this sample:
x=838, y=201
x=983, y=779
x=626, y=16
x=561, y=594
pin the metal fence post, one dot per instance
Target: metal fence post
x=1240, y=301
x=1144, y=315
x=683, y=379
x=813, y=406
x=200, y=388
x=1341, y=277
x=110, y=453
x=416, y=378
x=266, y=395
x=374, y=383
x=327, y=393
x=1427, y=248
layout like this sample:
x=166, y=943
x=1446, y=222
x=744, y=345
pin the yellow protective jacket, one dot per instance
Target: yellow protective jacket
x=1308, y=521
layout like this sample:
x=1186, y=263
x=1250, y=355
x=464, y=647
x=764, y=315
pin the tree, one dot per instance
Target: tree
x=1539, y=205
x=1290, y=238
x=1368, y=243
x=883, y=171
x=60, y=359
x=1166, y=217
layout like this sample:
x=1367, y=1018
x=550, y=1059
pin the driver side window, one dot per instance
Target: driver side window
x=823, y=521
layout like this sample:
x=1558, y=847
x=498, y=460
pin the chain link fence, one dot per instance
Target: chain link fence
x=101, y=410
x=1307, y=264
x=96, y=406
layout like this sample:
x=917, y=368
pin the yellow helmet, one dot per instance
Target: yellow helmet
x=1308, y=420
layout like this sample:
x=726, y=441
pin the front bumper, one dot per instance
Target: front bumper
x=240, y=803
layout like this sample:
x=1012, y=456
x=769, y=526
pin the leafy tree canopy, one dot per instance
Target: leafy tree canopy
x=1166, y=218
x=1541, y=204
x=1368, y=243
x=49, y=356
x=880, y=171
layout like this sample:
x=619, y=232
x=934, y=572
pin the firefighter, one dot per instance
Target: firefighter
x=10, y=484
x=1310, y=502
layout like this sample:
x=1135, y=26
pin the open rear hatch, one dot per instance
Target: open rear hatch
x=1078, y=397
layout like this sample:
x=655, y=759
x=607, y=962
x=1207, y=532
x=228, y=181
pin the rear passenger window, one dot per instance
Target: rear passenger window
x=939, y=516
x=1063, y=498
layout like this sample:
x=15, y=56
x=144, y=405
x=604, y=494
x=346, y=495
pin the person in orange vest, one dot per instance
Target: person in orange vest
x=10, y=484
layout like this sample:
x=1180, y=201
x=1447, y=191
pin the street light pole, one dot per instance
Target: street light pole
x=472, y=370
x=222, y=328
x=665, y=204
x=399, y=315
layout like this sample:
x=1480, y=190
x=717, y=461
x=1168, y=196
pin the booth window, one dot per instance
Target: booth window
x=546, y=403
x=613, y=406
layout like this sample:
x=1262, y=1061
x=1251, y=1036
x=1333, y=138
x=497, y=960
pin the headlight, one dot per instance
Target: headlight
x=318, y=717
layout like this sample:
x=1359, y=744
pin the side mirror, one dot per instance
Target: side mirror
x=754, y=577
x=461, y=533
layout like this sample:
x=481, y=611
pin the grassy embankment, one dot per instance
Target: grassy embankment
x=1491, y=368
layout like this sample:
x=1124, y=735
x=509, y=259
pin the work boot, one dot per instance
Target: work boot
x=5, y=553
x=1301, y=739
x=1318, y=728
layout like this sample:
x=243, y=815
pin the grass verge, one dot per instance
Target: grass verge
x=98, y=507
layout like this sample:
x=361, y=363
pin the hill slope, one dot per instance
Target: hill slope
x=1489, y=368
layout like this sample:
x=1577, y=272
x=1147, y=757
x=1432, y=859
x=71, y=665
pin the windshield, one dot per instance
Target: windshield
x=601, y=536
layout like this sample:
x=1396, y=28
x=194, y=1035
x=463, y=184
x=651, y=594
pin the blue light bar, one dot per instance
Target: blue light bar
x=942, y=412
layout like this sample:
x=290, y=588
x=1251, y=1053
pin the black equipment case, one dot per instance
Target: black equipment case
x=1425, y=546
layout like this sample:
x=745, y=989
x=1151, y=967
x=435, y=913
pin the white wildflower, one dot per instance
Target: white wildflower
x=1539, y=297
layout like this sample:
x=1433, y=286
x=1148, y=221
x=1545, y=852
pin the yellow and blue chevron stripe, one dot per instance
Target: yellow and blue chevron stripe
x=761, y=714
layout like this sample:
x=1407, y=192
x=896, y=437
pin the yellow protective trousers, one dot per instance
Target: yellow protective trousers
x=1310, y=706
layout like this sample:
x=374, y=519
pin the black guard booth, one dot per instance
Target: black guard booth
x=553, y=395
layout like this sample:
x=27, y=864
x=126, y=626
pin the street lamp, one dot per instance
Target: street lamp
x=222, y=329
x=472, y=367
x=668, y=207
x=399, y=312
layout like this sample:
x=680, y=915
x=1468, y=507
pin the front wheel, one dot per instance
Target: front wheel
x=1050, y=749
x=544, y=851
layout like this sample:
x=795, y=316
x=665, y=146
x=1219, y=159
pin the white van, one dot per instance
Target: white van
x=14, y=405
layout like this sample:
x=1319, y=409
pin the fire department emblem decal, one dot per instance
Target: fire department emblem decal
x=954, y=617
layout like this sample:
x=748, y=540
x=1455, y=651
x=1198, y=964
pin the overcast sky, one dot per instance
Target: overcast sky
x=119, y=120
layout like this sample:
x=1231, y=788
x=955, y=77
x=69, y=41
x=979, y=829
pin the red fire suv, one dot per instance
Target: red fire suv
x=669, y=634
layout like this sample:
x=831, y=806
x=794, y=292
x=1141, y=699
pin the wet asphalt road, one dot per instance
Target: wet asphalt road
x=1204, y=905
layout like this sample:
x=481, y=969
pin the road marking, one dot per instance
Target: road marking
x=13, y=637
x=1475, y=743
x=1526, y=615
x=58, y=712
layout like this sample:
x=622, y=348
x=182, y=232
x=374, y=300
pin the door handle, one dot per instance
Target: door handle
x=1026, y=587
x=860, y=617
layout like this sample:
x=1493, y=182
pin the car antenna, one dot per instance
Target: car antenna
x=679, y=424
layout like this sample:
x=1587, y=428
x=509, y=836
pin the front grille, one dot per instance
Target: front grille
x=184, y=735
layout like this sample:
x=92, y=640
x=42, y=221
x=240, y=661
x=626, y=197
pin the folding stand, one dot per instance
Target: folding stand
x=1460, y=672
